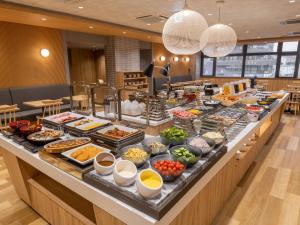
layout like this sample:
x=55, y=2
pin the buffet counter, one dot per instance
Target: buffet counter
x=61, y=198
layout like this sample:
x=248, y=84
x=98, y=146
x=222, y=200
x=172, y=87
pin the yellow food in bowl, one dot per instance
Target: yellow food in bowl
x=150, y=179
x=135, y=154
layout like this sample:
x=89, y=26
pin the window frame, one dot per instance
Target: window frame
x=244, y=55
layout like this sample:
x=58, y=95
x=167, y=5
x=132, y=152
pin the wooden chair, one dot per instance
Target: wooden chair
x=52, y=107
x=7, y=115
x=293, y=103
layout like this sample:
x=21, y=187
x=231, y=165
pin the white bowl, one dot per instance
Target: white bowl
x=124, y=173
x=145, y=190
x=104, y=170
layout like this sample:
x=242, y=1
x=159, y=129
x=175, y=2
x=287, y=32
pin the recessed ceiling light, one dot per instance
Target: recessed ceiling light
x=292, y=1
x=230, y=24
x=148, y=37
x=124, y=32
x=210, y=14
x=298, y=15
x=91, y=27
x=80, y=7
x=247, y=31
x=148, y=24
x=258, y=37
x=44, y=19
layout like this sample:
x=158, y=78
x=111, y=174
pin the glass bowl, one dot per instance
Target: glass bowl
x=165, y=176
x=200, y=150
x=182, y=159
x=138, y=162
x=147, y=145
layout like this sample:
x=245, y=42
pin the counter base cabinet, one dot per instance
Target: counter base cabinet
x=57, y=205
x=104, y=218
x=61, y=206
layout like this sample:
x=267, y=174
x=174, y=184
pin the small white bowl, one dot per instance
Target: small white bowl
x=144, y=190
x=104, y=156
x=124, y=173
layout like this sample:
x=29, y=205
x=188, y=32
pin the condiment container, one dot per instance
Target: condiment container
x=104, y=163
x=124, y=172
x=149, y=183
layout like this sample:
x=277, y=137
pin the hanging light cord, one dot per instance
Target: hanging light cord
x=220, y=3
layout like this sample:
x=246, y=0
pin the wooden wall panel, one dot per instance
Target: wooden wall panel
x=83, y=65
x=21, y=64
x=177, y=68
x=273, y=84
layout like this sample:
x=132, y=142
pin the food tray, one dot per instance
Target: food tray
x=68, y=166
x=51, y=120
x=116, y=145
x=68, y=153
x=171, y=192
x=102, y=131
x=50, y=149
x=80, y=130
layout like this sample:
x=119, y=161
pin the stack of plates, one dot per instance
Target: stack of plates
x=186, y=124
x=157, y=109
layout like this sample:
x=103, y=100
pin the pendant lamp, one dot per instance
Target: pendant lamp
x=182, y=31
x=218, y=40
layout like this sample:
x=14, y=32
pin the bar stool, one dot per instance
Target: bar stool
x=7, y=115
x=51, y=107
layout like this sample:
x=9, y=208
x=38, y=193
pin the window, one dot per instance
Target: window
x=208, y=65
x=229, y=66
x=262, y=48
x=263, y=60
x=263, y=66
x=287, y=66
x=290, y=46
x=238, y=49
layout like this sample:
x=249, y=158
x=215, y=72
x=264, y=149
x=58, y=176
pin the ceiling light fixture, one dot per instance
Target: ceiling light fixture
x=124, y=32
x=298, y=15
x=210, y=14
x=162, y=58
x=44, y=19
x=292, y=1
x=175, y=59
x=44, y=52
x=186, y=59
x=247, y=31
x=80, y=7
x=182, y=31
x=230, y=24
x=148, y=24
x=91, y=27
x=218, y=40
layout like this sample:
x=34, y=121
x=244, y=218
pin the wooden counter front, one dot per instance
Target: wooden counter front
x=63, y=199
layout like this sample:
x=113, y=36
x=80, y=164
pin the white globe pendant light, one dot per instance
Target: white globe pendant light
x=218, y=40
x=182, y=32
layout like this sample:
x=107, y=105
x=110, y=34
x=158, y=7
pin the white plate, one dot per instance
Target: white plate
x=123, y=128
x=94, y=120
x=67, y=154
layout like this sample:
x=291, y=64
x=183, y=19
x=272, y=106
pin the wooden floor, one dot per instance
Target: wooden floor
x=269, y=194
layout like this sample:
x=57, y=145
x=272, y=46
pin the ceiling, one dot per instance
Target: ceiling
x=250, y=18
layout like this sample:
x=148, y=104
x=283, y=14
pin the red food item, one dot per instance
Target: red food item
x=18, y=124
x=183, y=114
x=30, y=129
x=169, y=167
